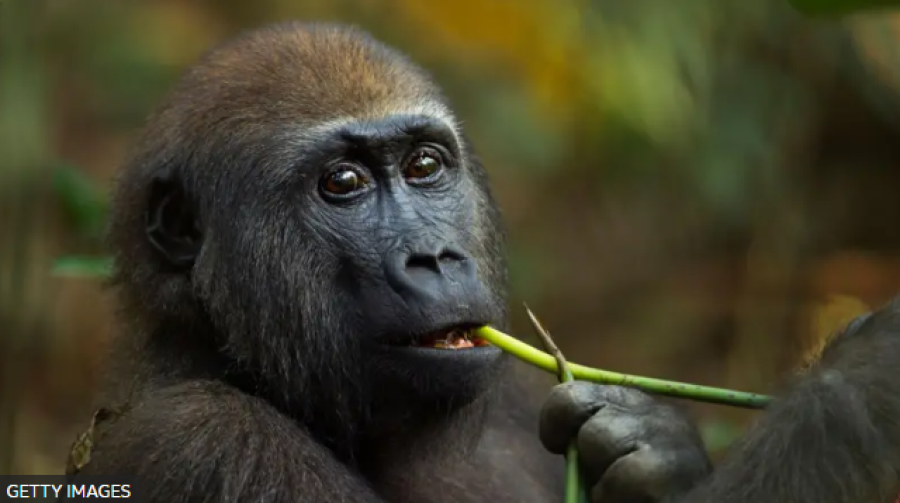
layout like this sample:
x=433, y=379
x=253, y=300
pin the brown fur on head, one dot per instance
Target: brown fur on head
x=260, y=279
x=262, y=84
x=291, y=72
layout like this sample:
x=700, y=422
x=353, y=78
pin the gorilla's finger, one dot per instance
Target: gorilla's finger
x=649, y=475
x=571, y=404
x=606, y=437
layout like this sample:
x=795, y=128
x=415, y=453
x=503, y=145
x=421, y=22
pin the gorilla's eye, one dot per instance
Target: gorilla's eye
x=342, y=181
x=423, y=166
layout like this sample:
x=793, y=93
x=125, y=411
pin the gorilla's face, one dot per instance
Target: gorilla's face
x=366, y=251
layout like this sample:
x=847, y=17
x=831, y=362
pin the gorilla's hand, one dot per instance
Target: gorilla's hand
x=632, y=448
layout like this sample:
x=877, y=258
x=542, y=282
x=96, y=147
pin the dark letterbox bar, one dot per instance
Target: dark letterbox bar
x=35, y=488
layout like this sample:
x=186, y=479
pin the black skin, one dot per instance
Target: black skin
x=293, y=216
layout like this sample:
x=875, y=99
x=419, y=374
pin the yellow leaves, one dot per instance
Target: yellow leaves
x=864, y=281
x=576, y=61
x=828, y=319
x=506, y=28
x=834, y=314
x=175, y=33
x=540, y=41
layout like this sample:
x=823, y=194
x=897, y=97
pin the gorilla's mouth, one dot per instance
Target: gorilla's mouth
x=450, y=338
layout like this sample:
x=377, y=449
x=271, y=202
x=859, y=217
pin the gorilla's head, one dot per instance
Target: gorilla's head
x=304, y=218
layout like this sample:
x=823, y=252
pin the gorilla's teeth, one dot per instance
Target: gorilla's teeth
x=452, y=339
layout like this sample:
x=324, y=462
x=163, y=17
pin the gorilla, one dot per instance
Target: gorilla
x=303, y=241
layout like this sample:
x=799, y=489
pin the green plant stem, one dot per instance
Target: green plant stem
x=575, y=492
x=695, y=392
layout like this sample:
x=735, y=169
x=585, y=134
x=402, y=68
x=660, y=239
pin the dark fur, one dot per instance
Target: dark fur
x=245, y=372
x=248, y=369
x=835, y=435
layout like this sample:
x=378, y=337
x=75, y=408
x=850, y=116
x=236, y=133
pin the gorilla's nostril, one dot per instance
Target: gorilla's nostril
x=433, y=261
x=423, y=261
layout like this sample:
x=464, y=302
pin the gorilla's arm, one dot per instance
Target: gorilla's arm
x=832, y=436
x=202, y=441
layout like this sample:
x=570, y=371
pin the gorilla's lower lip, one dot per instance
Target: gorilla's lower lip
x=433, y=355
x=443, y=354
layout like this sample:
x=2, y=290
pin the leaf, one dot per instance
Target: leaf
x=84, y=203
x=89, y=267
x=834, y=8
x=827, y=320
x=82, y=448
x=719, y=435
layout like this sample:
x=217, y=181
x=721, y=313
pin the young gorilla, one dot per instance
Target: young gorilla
x=301, y=233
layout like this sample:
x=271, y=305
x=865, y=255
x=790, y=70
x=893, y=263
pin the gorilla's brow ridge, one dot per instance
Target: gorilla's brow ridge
x=433, y=110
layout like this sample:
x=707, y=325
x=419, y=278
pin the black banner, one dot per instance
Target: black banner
x=28, y=488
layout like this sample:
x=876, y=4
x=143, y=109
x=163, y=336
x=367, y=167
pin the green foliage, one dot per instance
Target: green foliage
x=85, y=267
x=86, y=208
x=719, y=435
x=83, y=202
x=834, y=8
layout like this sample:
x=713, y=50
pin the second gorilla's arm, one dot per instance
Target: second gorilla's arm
x=832, y=437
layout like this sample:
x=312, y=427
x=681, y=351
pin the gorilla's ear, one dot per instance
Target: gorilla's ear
x=171, y=223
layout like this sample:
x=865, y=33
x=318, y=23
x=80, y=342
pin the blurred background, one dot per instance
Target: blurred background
x=695, y=190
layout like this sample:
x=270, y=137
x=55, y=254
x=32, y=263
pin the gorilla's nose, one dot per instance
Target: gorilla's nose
x=431, y=272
